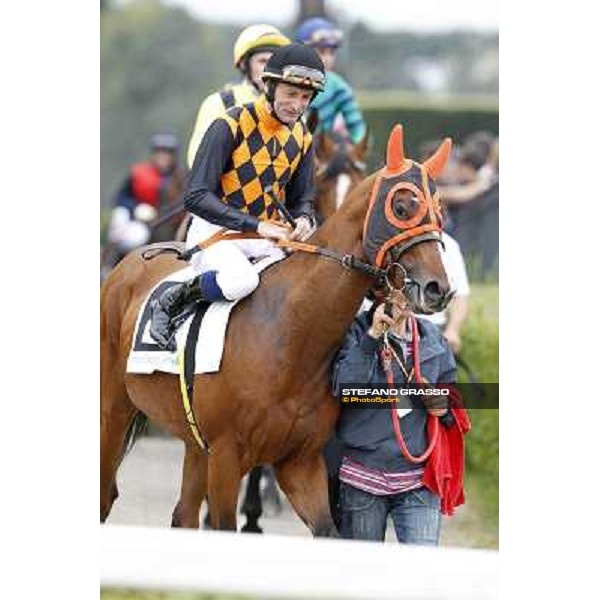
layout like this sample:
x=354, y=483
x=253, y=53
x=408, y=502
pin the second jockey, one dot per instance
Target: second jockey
x=251, y=51
x=248, y=155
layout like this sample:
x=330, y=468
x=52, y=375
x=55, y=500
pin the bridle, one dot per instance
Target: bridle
x=384, y=275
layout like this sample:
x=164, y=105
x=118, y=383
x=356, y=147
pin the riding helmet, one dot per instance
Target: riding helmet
x=296, y=64
x=164, y=141
x=256, y=38
x=319, y=33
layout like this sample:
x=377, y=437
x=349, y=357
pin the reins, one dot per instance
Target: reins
x=349, y=261
x=387, y=354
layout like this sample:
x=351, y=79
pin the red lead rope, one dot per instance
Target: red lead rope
x=386, y=357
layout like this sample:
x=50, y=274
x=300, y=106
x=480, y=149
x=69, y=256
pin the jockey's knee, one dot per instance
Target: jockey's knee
x=239, y=284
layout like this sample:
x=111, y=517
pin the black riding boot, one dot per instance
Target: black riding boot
x=172, y=303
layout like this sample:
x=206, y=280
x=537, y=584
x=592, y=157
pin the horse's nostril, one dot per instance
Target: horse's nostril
x=433, y=292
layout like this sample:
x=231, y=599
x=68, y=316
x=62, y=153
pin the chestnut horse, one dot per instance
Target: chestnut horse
x=340, y=167
x=271, y=402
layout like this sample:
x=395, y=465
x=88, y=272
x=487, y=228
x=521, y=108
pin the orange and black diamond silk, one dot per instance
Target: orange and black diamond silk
x=266, y=155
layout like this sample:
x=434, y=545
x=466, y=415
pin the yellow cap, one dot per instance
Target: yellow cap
x=256, y=37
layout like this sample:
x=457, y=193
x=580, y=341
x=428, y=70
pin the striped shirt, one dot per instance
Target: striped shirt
x=379, y=483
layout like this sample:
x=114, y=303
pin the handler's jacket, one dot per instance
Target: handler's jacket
x=215, y=106
x=367, y=434
x=244, y=153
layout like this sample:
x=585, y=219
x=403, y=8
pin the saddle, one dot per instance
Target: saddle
x=200, y=331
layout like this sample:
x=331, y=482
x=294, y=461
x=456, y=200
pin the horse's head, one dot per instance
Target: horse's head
x=340, y=165
x=403, y=226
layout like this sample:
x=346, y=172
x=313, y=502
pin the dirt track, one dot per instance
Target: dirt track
x=149, y=481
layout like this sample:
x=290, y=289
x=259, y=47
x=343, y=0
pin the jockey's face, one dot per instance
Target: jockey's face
x=291, y=102
x=328, y=57
x=256, y=66
x=163, y=160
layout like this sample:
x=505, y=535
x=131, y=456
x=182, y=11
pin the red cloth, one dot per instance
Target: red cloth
x=145, y=183
x=445, y=469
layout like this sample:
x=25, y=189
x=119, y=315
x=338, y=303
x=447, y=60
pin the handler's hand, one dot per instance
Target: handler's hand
x=303, y=229
x=436, y=405
x=272, y=231
x=381, y=322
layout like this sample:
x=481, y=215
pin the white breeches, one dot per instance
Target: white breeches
x=126, y=233
x=235, y=274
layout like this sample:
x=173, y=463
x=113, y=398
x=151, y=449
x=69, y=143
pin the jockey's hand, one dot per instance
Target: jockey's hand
x=304, y=229
x=268, y=229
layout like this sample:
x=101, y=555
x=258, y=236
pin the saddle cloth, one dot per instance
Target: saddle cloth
x=146, y=356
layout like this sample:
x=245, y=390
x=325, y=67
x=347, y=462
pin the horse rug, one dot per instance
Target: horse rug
x=208, y=324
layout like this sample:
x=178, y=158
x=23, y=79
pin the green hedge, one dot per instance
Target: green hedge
x=480, y=349
x=424, y=122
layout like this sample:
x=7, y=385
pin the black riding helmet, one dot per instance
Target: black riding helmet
x=296, y=64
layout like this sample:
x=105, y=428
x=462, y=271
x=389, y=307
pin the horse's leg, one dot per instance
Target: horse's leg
x=193, y=489
x=224, y=475
x=116, y=414
x=304, y=482
x=252, y=505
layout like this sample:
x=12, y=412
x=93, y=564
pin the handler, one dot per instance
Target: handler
x=377, y=477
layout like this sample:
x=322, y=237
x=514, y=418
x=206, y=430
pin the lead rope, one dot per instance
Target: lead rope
x=386, y=358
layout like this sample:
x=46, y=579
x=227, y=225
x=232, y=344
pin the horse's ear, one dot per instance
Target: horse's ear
x=312, y=122
x=395, y=149
x=436, y=163
x=362, y=148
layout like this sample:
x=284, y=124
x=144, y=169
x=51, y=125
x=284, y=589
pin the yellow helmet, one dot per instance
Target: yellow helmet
x=257, y=38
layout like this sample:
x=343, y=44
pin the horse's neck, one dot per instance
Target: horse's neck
x=326, y=295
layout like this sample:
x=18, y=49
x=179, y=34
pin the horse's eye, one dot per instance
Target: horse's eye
x=405, y=204
x=400, y=210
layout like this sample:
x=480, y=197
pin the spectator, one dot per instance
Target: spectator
x=451, y=320
x=148, y=189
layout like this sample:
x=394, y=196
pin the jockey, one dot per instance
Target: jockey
x=337, y=101
x=248, y=156
x=251, y=51
x=144, y=190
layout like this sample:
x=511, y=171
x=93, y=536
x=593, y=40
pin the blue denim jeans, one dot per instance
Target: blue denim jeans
x=415, y=514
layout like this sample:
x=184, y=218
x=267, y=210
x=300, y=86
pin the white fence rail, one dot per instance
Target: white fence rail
x=292, y=567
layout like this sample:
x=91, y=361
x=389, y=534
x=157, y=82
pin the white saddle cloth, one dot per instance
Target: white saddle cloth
x=146, y=356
